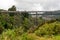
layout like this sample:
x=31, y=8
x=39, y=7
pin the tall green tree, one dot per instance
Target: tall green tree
x=13, y=8
x=25, y=15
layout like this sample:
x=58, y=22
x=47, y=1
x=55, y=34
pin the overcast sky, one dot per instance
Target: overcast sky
x=38, y=5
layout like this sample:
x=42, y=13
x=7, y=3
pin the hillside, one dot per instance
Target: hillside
x=2, y=10
x=50, y=15
x=16, y=26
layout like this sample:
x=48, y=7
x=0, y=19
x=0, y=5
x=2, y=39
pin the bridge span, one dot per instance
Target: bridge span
x=32, y=12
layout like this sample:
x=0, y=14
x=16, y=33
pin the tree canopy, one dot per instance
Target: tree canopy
x=13, y=8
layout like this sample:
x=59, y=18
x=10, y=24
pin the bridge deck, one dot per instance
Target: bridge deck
x=36, y=12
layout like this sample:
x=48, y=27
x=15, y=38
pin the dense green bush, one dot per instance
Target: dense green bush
x=25, y=15
x=57, y=29
x=9, y=35
x=13, y=8
x=1, y=29
x=49, y=29
x=10, y=22
x=29, y=37
x=27, y=24
x=19, y=31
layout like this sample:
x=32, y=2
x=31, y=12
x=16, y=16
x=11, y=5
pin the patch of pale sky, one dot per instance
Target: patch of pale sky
x=31, y=4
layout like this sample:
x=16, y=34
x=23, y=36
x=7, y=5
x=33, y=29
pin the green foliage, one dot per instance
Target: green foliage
x=1, y=28
x=19, y=31
x=29, y=37
x=27, y=24
x=10, y=22
x=13, y=8
x=24, y=15
x=57, y=29
x=57, y=37
x=9, y=35
x=16, y=26
x=48, y=29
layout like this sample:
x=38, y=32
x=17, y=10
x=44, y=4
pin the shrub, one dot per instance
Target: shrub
x=1, y=28
x=29, y=37
x=9, y=35
x=48, y=29
x=25, y=15
x=57, y=29
x=19, y=31
x=27, y=24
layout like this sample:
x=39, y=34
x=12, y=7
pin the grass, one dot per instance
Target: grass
x=57, y=37
x=32, y=36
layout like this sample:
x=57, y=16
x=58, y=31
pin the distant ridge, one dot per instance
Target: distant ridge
x=2, y=10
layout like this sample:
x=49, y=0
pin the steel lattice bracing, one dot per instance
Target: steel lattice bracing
x=33, y=13
x=38, y=12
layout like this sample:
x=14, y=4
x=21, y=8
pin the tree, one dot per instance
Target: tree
x=25, y=15
x=13, y=8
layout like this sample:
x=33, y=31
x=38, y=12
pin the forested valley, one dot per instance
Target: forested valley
x=16, y=26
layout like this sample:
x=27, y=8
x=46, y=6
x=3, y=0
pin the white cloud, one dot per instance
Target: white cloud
x=36, y=7
x=31, y=4
x=41, y=4
x=5, y=4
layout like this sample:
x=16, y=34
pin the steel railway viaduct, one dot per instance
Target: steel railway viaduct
x=33, y=12
x=36, y=13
